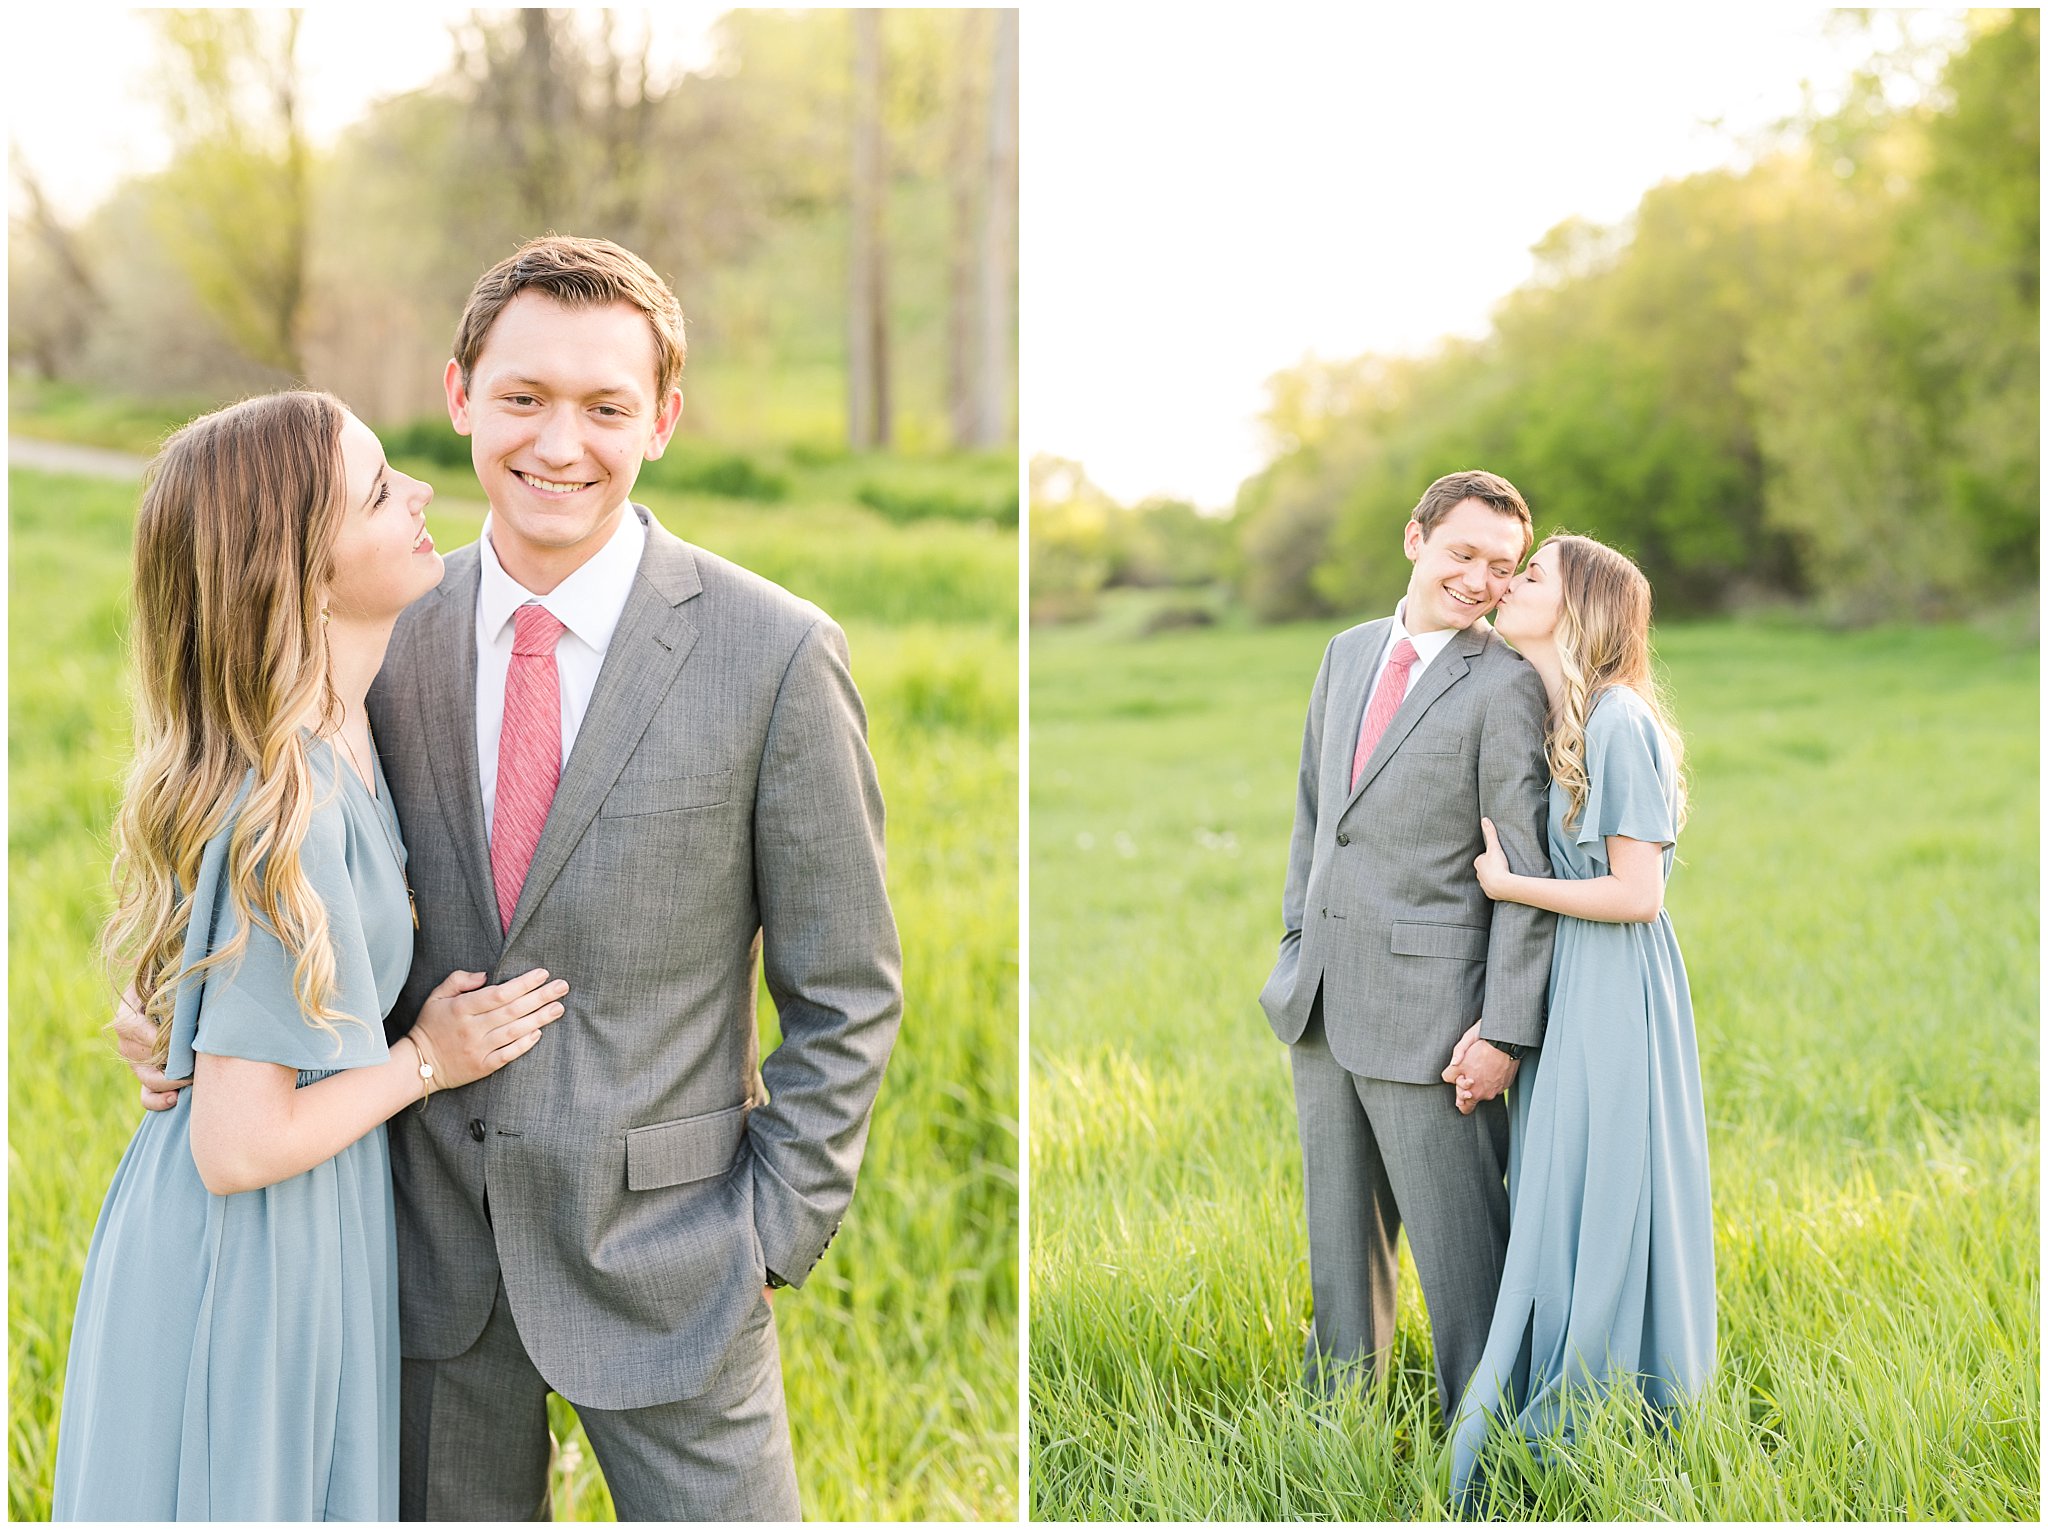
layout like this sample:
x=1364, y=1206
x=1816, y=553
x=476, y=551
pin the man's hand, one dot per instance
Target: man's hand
x=1479, y=1069
x=135, y=1038
x=1458, y=1052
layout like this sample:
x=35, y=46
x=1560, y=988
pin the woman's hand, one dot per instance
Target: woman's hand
x=135, y=1038
x=1495, y=877
x=467, y=1030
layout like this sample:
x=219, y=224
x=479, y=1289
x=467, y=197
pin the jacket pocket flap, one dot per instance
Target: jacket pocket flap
x=1458, y=942
x=678, y=1152
x=630, y=798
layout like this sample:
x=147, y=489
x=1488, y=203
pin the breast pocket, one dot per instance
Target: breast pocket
x=1434, y=739
x=675, y=794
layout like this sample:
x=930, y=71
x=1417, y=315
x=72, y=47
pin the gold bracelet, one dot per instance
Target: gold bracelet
x=426, y=1069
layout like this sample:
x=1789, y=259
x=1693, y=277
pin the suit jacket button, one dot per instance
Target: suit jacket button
x=1343, y=839
x=476, y=1131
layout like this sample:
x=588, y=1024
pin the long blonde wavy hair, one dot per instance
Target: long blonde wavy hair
x=1603, y=641
x=234, y=546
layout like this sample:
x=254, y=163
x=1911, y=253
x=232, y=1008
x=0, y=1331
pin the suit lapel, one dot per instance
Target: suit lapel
x=1353, y=684
x=1450, y=666
x=647, y=651
x=447, y=697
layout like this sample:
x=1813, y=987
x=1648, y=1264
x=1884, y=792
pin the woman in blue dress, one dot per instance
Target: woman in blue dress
x=235, y=1352
x=1609, y=1278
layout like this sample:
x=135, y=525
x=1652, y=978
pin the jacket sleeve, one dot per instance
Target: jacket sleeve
x=829, y=953
x=1280, y=985
x=1514, y=791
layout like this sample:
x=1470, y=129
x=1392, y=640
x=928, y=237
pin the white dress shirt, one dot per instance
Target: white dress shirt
x=588, y=603
x=1427, y=646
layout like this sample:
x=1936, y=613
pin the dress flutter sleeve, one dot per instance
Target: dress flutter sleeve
x=248, y=1007
x=1629, y=776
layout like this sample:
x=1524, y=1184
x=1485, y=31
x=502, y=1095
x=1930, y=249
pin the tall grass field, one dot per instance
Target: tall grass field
x=900, y=1352
x=1856, y=898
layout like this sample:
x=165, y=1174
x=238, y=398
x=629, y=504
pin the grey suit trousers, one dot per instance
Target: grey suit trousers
x=1378, y=1154
x=474, y=1442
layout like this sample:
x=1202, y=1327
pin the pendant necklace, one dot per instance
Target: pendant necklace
x=382, y=821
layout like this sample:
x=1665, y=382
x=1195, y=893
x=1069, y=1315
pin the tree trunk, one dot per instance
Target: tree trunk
x=999, y=244
x=49, y=229
x=867, y=347
x=540, y=131
x=964, y=173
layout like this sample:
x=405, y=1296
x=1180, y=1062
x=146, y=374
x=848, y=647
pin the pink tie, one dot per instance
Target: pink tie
x=1386, y=701
x=529, y=753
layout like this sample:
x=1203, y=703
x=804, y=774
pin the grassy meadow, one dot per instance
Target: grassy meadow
x=1856, y=897
x=900, y=1352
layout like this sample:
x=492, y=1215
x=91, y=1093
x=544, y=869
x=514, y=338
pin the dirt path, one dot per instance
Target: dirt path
x=63, y=457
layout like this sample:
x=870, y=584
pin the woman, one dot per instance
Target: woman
x=1610, y=1262
x=235, y=1354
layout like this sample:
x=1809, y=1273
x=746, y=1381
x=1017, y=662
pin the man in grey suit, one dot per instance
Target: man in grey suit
x=1396, y=973
x=635, y=765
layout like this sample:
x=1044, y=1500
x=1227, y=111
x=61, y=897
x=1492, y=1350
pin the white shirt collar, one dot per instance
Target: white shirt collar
x=1427, y=644
x=589, y=602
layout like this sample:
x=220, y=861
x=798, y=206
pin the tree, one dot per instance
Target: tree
x=964, y=189
x=1817, y=374
x=233, y=208
x=867, y=308
x=1899, y=406
x=996, y=308
x=53, y=296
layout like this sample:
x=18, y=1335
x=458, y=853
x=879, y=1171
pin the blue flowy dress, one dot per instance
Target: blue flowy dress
x=236, y=1357
x=1610, y=1262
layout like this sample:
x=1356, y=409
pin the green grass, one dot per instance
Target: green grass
x=55, y=411
x=900, y=1352
x=1857, y=902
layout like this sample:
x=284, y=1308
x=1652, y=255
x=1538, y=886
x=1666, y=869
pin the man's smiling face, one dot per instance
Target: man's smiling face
x=1462, y=566
x=561, y=409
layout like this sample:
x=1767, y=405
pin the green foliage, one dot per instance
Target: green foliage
x=904, y=497
x=1899, y=406
x=1857, y=900
x=1813, y=378
x=899, y=1354
x=429, y=438
x=1083, y=542
x=233, y=206
x=730, y=475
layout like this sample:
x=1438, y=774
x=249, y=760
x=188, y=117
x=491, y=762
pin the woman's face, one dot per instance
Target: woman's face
x=1528, y=612
x=383, y=558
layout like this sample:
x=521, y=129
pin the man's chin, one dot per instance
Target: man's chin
x=1452, y=617
x=567, y=528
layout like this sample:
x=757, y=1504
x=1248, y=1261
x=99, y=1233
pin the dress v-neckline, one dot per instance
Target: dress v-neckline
x=345, y=760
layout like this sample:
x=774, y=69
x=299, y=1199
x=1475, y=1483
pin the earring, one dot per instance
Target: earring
x=323, y=616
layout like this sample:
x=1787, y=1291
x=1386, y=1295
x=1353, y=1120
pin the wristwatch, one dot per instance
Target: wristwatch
x=774, y=1282
x=1515, y=1049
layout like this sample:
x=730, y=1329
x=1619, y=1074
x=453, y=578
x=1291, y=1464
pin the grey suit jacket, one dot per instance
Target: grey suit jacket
x=1384, y=914
x=631, y=1177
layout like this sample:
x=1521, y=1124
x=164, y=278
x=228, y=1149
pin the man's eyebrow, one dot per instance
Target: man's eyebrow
x=383, y=467
x=535, y=385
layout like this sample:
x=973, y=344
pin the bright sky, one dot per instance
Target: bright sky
x=1206, y=202
x=81, y=109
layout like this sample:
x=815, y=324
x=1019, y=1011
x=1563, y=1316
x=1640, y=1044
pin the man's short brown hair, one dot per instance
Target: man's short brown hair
x=1453, y=489
x=577, y=273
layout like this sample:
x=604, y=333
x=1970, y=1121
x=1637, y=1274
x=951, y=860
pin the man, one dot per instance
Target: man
x=633, y=764
x=1396, y=974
